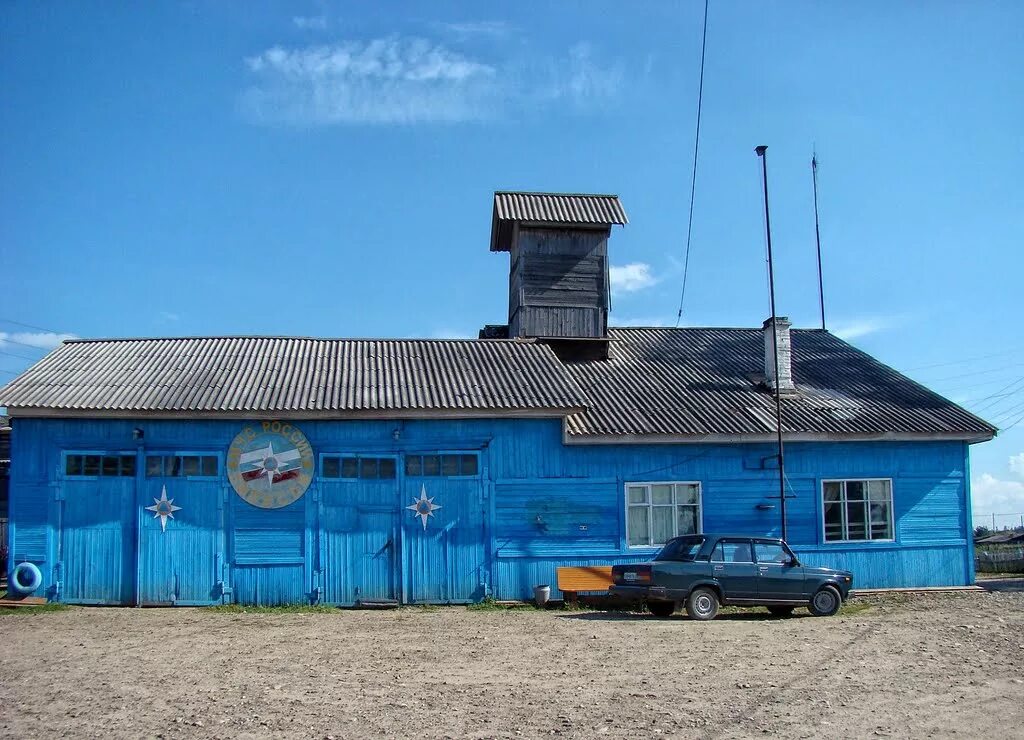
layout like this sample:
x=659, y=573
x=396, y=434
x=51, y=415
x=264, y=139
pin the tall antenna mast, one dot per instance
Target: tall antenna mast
x=775, y=342
x=817, y=236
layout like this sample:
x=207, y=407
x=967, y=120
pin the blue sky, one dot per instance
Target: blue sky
x=327, y=169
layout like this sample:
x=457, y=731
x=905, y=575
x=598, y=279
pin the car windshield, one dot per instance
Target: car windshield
x=681, y=548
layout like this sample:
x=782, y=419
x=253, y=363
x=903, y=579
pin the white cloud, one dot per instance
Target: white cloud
x=994, y=495
x=856, y=328
x=399, y=79
x=589, y=80
x=41, y=340
x=632, y=277
x=642, y=321
x=470, y=29
x=389, y=80
x=448, y=333
x=1017, y=464
x=310, y=23
x=169, y=316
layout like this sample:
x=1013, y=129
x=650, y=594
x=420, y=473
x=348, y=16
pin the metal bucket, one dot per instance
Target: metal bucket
x=542, y=594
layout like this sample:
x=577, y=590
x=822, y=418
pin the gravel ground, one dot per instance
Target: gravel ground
x=923, y=665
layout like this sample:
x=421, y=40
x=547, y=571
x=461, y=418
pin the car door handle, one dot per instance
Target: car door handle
x=719, y=567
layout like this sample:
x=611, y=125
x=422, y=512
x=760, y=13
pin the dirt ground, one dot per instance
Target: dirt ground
x=936, y=665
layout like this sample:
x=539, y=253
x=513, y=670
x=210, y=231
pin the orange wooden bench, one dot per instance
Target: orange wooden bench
x=583, y=579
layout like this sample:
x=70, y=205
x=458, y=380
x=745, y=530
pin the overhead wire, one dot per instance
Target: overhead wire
x=977, y=373
x=1007, y=413
x=1018, y=420
x=965, y=359
x=27, y=326
x=693, y=176
x=15, y=354
x=991, y=399
x=8, y=340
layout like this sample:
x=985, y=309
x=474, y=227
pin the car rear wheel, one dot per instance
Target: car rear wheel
x=661, y=608
x=702, y=604
x=781, y=611
x=825, y=602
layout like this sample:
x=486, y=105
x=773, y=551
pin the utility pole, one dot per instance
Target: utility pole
x=775, y=341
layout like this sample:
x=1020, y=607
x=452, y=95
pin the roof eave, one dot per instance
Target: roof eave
x=676, y=439
x=36, y=412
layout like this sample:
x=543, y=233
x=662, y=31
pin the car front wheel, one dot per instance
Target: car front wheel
x=661, y=608
x=702, y=604
x=825, y=602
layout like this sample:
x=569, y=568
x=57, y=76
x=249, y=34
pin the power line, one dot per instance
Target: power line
x=965, y=359
x=693, y=177
x=20, y=357
x=27, y=326
x=1017, y=421
x=991, y=403
x=979, y=372
x=8, y=340
x=990, y=381
x=1007, y=413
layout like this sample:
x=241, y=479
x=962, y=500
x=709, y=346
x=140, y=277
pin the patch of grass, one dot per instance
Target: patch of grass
x=851, y=608
x=283, y=609
x=51, y=607
x=490, y=605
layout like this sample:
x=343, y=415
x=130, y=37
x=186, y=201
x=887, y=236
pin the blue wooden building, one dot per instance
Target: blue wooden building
x=268, y=470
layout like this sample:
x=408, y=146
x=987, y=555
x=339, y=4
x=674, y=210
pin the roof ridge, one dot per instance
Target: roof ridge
x=568, y=195
x=464, y=340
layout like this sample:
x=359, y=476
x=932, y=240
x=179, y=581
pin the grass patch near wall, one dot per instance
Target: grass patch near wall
x=283, y=609
x=490, y=605
x=29, y=610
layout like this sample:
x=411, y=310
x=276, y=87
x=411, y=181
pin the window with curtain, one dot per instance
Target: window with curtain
x=657, y=512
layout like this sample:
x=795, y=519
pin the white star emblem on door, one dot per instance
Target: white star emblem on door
x=164, y=508
x=423, y=507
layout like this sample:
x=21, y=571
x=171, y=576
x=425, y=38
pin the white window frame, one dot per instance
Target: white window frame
x=844, y=481
x=648, y=484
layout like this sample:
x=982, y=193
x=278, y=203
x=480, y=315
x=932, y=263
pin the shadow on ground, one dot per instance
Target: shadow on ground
x=1002, y=584
x=637, y=617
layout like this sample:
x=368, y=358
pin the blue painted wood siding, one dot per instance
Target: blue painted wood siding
x=543, y=503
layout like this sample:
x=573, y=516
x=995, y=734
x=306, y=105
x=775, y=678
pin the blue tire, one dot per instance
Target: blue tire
x=26, y=578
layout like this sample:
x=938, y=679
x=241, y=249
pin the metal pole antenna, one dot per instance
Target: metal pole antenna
x=775, y=341
x=817, y=237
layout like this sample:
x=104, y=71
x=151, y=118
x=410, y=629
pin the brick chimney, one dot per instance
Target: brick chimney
x=785, y=379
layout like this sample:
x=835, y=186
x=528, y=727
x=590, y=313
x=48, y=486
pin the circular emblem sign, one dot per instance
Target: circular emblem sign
x=270, y=464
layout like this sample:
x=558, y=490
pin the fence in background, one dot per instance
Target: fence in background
x=999, y=559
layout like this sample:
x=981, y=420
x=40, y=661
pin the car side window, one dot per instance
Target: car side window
x=732, y=551
x=770, y=552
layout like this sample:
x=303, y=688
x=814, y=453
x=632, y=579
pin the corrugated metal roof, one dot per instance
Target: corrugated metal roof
x=698, y=382
x=567, y=208
x=271, y=374
x=681, y=383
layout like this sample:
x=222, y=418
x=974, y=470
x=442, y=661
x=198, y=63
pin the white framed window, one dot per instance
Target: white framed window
x=857, y=510
x=657, y=512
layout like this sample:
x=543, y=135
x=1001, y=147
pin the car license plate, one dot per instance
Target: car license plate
x=629, y=576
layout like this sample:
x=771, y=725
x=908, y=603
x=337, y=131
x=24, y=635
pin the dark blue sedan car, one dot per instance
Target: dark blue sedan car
x=706, y=571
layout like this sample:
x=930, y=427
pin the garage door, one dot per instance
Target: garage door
x=443, y=528
x=97, y=532
x=358, y=519
x=181, y=530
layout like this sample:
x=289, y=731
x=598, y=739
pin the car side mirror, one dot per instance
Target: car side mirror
x=792, y=562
